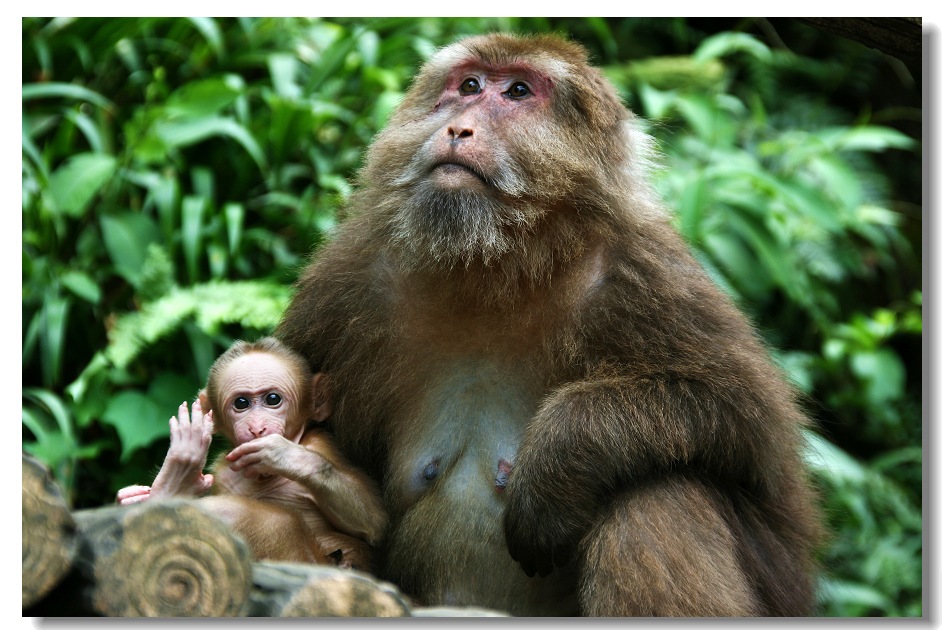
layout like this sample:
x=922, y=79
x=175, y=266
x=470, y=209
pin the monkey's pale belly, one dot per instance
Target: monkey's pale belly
x=472, y=568
x=449, y=477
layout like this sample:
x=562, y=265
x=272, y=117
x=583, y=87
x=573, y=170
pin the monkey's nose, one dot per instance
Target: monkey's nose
x=457, y=133
x=258, y=431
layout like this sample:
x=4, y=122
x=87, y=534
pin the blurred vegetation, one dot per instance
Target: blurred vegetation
x=178, y=172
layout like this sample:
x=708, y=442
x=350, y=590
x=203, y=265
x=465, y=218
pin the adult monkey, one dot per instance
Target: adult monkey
x=508, y=306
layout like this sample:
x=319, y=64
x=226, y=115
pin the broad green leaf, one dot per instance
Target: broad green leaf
x=656, y=103
x=82, y=285
x=138, y=421
x=51, y=447
x=690, y=209
x=771, y=254
x=839, y=181
x=73, y=185
x=89, y=129
x=737, y=263
x=194, y=209
x=55, y=314
x=32, y=152
x=368, y=45
x=203, y=98
x=284, y=69
x=878, y=216
x=33, y=91
x=126, y=238
x=862, y=595
x=884, y=373
x=210, y=30
x=723, y=44
x=164, y=193
x=330, y=61
x=56, y=408
x=866, y=138
x=708, y=121
x=191, y=131
x=235, y=218
x=826, y=457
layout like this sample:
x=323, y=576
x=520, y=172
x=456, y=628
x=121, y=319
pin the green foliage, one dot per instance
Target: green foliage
x=876, y=527
x=177, y=172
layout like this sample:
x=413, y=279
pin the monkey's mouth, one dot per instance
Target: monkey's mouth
x=457, y=169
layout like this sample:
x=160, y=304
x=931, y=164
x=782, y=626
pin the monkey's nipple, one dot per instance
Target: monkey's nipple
x=503, y=474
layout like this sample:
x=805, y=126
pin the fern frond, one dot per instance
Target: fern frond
x=251, y=303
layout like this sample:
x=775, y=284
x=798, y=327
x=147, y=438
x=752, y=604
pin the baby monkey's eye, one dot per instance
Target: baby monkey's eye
x=272, y=399
x=241, y=403
x=470, y=86
x=518, y=90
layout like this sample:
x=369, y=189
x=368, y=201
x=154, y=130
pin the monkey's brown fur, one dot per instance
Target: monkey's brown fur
x=548, y=315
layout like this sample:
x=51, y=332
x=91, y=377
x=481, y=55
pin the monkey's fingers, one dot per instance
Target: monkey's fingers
x=197, y=418
x=183, y=414
x=206, y=482
x=208, y=426
x=174, y=430
x=133, y=494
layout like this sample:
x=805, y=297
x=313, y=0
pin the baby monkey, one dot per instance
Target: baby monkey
x=284, y=487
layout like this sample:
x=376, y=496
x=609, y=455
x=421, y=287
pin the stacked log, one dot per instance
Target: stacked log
x=170, y=558
x=49, y=536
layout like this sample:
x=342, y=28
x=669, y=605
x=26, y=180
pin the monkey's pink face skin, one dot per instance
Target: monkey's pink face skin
x=261, y=395
x=480, y=105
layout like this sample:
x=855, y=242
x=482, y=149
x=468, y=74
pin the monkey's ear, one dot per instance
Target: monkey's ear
x=204, y=401
x=207, y=406
x=321, y=405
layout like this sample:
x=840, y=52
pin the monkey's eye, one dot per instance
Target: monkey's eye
x=241, y=403
x=272, y=399
x=518, y=90
x=470, y=86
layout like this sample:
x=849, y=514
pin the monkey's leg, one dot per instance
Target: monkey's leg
x=664, y=550
x=272, y=532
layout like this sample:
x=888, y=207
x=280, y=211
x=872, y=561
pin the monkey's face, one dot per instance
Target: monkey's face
x=260, y=394
x=486, y=143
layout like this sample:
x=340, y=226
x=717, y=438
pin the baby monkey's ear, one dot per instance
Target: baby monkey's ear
x=207, y=407
x=321, y=405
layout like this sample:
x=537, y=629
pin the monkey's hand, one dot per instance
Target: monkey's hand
x=182, y=470
x=274, y=455
x=541, y=530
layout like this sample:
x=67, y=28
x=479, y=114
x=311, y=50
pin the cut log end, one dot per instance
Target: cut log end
x=165, y=559
x=49, y=535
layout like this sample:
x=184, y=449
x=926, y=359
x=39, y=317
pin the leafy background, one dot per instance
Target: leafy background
x=177, y=173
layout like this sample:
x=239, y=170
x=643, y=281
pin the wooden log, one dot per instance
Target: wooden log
x=282, y=589
x=159, y=559
x=49, y=535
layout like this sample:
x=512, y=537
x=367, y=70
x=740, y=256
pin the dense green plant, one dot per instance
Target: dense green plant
x=177, y=172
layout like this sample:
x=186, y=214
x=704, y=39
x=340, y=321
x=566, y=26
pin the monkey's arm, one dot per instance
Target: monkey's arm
x=346, y=496
x=594, y=438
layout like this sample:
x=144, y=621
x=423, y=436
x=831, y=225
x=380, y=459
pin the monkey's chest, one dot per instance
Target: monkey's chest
x=272, y=488
x=449, y=462
x=463, y=430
